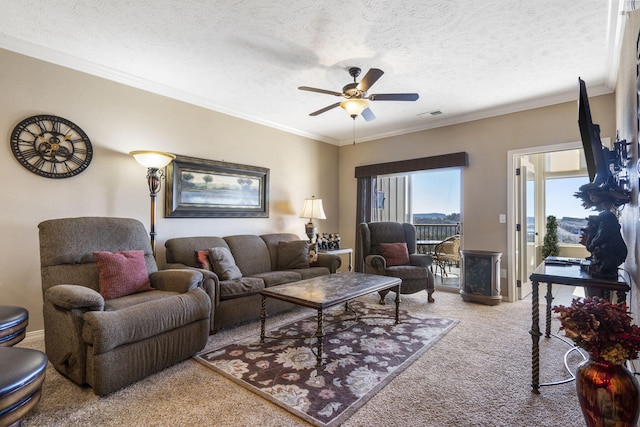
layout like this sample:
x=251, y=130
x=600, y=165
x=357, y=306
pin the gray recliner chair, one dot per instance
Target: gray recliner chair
x=415, y=273
x=111, y=343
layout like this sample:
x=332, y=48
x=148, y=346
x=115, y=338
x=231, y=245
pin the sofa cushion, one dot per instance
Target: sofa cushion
x=180, y=249
x=408, y=272
x=274, y=278
x=240, y=287
x=250, y=252
x=223, y=264
x=121, y=273
x=272, y=240
x=308, y=273
x=202, y=259
x=134, y=299
x=293, y=255
x=395, y=253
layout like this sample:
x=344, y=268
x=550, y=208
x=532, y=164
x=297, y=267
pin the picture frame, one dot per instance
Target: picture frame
x=200, y=188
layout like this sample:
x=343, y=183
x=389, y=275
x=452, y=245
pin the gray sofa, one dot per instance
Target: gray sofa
x=238, y=300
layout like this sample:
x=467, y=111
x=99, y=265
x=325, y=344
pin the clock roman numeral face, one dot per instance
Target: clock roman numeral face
x=51, y=146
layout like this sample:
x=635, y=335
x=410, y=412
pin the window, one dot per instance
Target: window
x=564, y=173
x=434, y=197
x=567, y=209
x=428, y=199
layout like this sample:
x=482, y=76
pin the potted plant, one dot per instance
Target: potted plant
x=608, y=392
x=550, y=242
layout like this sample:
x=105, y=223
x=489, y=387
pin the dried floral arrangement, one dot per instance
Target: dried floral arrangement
x=601, y=328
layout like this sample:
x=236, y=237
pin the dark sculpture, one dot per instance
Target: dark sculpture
x=603, y=239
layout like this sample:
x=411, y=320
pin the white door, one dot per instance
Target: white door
x=526, y=234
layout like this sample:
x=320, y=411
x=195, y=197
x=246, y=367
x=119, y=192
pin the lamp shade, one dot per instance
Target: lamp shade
x=312, y=208
x=354, y=106
x=152, y=159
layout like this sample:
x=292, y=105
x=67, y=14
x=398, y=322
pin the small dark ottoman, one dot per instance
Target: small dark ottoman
x=21, y=379
x=13, y=325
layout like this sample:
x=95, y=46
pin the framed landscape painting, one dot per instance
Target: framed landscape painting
x=199, y=188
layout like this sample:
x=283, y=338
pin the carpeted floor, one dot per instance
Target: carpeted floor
x=478, y=374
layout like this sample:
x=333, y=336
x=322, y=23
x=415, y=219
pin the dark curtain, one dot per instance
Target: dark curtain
x=366, y=176
x=364, y=212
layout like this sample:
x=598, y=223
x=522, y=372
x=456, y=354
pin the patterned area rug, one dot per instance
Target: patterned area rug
x=360, y=356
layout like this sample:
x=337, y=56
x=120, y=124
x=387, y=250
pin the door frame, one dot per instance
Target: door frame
x=511, y=204
x=522, y=265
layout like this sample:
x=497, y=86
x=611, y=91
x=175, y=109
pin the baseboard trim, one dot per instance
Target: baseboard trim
x=34, y=335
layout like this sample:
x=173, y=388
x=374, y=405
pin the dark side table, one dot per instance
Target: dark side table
x=561, y=274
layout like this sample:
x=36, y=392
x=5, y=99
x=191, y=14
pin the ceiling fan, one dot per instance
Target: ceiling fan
x=356, y=97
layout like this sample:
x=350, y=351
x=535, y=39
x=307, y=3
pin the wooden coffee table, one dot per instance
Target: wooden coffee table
x=328, y=291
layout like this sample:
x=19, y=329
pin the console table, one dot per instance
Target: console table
x=561, y=274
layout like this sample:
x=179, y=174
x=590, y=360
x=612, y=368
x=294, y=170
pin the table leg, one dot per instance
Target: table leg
x=397, y=304
x=549, y=298
x=319, y=338
x=535, y=338
x=263, y=318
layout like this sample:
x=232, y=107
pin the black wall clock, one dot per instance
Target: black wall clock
x=51, y=146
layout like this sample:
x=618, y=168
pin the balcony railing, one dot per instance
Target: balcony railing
x=433, y=232
x=436, y=231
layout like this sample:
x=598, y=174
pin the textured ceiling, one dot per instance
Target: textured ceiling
x=467, y=59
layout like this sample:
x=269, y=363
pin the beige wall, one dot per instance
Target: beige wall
x=119, y=119
x=627, y=122
x=484, y=182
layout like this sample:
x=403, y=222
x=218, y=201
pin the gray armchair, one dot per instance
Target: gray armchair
x=111, y=343
x=415, y=272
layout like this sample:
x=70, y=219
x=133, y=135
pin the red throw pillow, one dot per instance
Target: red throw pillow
x=121, y=273
x=395, y=253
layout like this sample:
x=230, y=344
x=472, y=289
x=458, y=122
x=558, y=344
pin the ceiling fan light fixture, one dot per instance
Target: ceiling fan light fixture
x=354, y=107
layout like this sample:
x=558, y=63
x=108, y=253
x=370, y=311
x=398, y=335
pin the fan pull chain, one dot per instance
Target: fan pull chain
x=354, y=130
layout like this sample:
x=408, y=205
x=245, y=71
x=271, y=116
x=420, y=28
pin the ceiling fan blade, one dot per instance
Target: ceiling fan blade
x=322, y=110
x=394, y=97
x=369, y=79
x=313, y=89
x=367, y=114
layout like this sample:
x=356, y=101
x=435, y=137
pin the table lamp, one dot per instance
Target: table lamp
x=312, y=209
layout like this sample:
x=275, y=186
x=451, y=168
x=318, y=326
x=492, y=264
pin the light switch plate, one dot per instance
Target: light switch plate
x=502, y=218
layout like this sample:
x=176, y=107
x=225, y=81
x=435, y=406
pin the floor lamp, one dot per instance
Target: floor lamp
x=154, y=161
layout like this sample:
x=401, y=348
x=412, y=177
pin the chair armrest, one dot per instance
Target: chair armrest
x=330, y=261
x=210, y=284
x=64, y=307
x=375, y=264
x=206, y=274
x=421, y=260
x=210, y=281
x=71, y=297
x=175, y=280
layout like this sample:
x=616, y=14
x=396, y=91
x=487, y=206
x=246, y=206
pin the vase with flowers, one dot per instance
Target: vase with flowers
x=608, y=392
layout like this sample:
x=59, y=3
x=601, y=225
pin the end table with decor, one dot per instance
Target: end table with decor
x=341, y=251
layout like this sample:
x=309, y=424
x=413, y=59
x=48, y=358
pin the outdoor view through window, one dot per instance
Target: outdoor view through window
x=561, y=203
x=435, y=197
